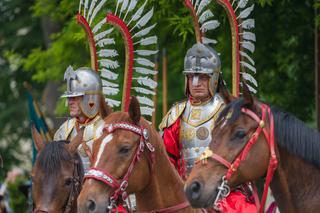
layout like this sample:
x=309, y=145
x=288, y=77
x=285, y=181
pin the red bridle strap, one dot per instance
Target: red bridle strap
x=273, y=162
x=120, y=186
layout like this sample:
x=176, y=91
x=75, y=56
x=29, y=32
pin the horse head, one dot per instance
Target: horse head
x=122, y=161
x=238, y=153
x=56, y=175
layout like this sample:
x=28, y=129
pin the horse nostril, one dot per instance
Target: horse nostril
x=91, y=205
x=196, y=190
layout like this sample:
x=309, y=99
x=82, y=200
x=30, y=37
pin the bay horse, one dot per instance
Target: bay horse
x=56, y=175
x=251, y=140
x=129, y=158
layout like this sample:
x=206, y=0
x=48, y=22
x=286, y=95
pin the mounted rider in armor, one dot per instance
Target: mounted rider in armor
x=186, y=129
x=83, y=97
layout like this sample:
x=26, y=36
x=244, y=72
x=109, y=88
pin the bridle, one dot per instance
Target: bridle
x=224, y=189
x=74, y=192
x=120, y=186
x=75, y=187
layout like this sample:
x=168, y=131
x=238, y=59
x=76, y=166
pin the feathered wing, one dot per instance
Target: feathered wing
x=133, y=19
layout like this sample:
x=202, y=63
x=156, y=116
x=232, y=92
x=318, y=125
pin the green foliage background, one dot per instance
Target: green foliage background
x=284, y=56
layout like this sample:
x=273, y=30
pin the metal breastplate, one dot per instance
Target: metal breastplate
x=92, y=131
x=195, y=132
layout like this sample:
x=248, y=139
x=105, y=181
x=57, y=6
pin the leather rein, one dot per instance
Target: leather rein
x=120, y=186
x=232, y=167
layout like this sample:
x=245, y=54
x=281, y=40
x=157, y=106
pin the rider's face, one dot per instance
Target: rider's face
x=199, y=89
x=74, y=106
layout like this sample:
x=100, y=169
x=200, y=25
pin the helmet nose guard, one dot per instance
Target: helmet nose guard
x=202, y=59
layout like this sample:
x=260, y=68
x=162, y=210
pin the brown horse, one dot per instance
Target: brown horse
x=130, y=158
x=250, y=141
x=57, y=175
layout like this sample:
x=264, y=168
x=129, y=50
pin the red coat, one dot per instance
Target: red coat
x=235, y=202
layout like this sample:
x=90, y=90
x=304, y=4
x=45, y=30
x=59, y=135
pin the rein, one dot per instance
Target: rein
x=120, y=186
x=224, y=190
x=75, y=188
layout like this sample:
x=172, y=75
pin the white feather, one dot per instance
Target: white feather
x=251, y=89
x=102, y=34
x=131, y=7
x=250, y=78
x=145, y=71
x=145, y=100
x=124, y=6
x=112, y=103
x=196, y=4
x=209, y=25
x=248, y=24
x=241, y=4
x=146, y=52
x=144, y=32
x=143, y=91
x=202, y=5
x=145, y=81
x=108, y=53
x=146, y=111
x=144, y=20
x=104, y=42
x=250, y=67
x=248, y=36
x=147, y=41
x=80, y=4
x=145, y=62
x=245, y=55
x=98, y=26
x=245, y=13
x=209, y=41
x=108, y=74
x=138, y=13
x=86, y=5
x=248, y=45
x=109, y=84
x=96, y=10
x=205, y=16
x=109, y=64
x=92, y=5
x=110, y=90
x=118, y=3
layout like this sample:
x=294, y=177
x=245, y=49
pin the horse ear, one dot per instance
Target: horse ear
x=224, y=93
x=76, y=141
x=134, y=110
x=37, y=139
x=246, y=94
x=104, y=108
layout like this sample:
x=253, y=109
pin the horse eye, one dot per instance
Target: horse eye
x=240, y=134
x=68, y=182
x=124, y=150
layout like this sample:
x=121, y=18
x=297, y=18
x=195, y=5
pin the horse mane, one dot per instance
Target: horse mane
x=290, y=132
x=297, y=137
x=54, y=155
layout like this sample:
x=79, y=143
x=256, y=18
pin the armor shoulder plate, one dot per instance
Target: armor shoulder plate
x=65, y=129
x=173, y=114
